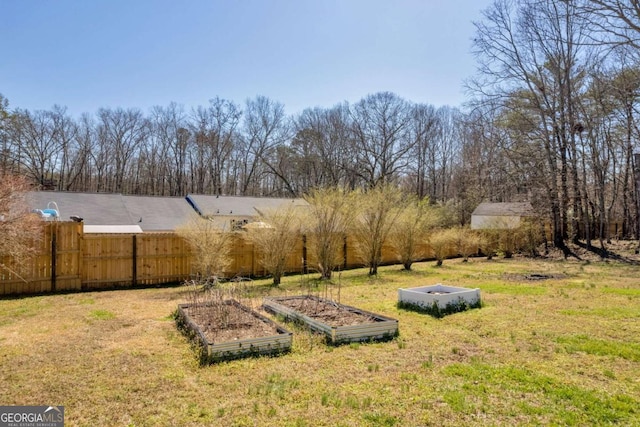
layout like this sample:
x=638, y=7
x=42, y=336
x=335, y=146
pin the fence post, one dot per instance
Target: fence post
x=54, y=249
x=134, y=280
x=81, y=253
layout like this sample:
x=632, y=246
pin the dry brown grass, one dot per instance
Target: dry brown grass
x=558, y=351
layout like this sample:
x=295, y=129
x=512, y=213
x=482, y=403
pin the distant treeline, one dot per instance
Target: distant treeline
x=552, y=118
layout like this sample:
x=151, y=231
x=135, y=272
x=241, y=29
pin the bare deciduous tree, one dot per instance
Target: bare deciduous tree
x=38, y=148
x=7, y=160
x=124, y=131
x=166, y=150
x=265, y=128
x=323, y=149
x=533, y=56
x=381, y=134
x=613, y=21
x=215, y=135
x=423, y=129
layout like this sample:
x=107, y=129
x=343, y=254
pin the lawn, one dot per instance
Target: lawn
x=561, y=351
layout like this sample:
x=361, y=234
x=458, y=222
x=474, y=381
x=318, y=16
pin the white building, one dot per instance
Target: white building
x=500, y=215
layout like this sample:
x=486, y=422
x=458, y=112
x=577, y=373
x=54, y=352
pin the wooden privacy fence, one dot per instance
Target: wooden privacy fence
x=69, y=260
x=55, y=267
x=133, y=260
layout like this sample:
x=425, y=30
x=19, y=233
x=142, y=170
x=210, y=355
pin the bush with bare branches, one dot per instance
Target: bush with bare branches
x=377, y=210
x=327, y=221
x=275, y=238
x=489, y=242
x=440, y=242
x=20, y=230
x=210, y=247
x=411, y=228
x=467, y=241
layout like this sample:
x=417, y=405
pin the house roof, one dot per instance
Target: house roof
x=94, y=208
x=237, y=205
x=150, y=213
x=503, y=209
x=153, y=213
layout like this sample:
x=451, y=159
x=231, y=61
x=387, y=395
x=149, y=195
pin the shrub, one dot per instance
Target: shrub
x=377, y=210
x=20, y=230
x=467, y=241
x=410, y=230
x=440, y=242
x=328, y=218
x=210, y=247
x=276, y=238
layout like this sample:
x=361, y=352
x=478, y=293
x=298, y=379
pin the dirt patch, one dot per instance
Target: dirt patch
x=623, y=251
x=331, y=313
x=228, y=322
x=534, y=277
x=542, y=276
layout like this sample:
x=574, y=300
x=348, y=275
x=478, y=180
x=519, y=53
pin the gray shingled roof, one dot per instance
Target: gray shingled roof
x=95, y=208
x=504, y=209
x=237, y=205
x=158, y=213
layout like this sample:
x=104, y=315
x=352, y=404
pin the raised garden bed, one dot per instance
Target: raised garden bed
x=439, y=300
x=229, y=330
x=339, y=323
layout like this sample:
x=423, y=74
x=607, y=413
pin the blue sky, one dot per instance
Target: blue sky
x=87, y=54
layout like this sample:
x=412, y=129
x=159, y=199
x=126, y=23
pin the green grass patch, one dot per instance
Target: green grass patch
x=381, y=420
x=630, y=292
x=457, y=401
x=604, y=312
x=275, y=385
x=21, y=308
x=585, y=344
x=102, y=315
x=561, y=402
x=513, y=288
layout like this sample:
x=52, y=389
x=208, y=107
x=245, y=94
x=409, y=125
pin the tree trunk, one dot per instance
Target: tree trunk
x=636, y=172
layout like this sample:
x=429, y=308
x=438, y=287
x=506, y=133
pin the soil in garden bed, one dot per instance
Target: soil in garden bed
x=227, y=322
x=328, y=312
